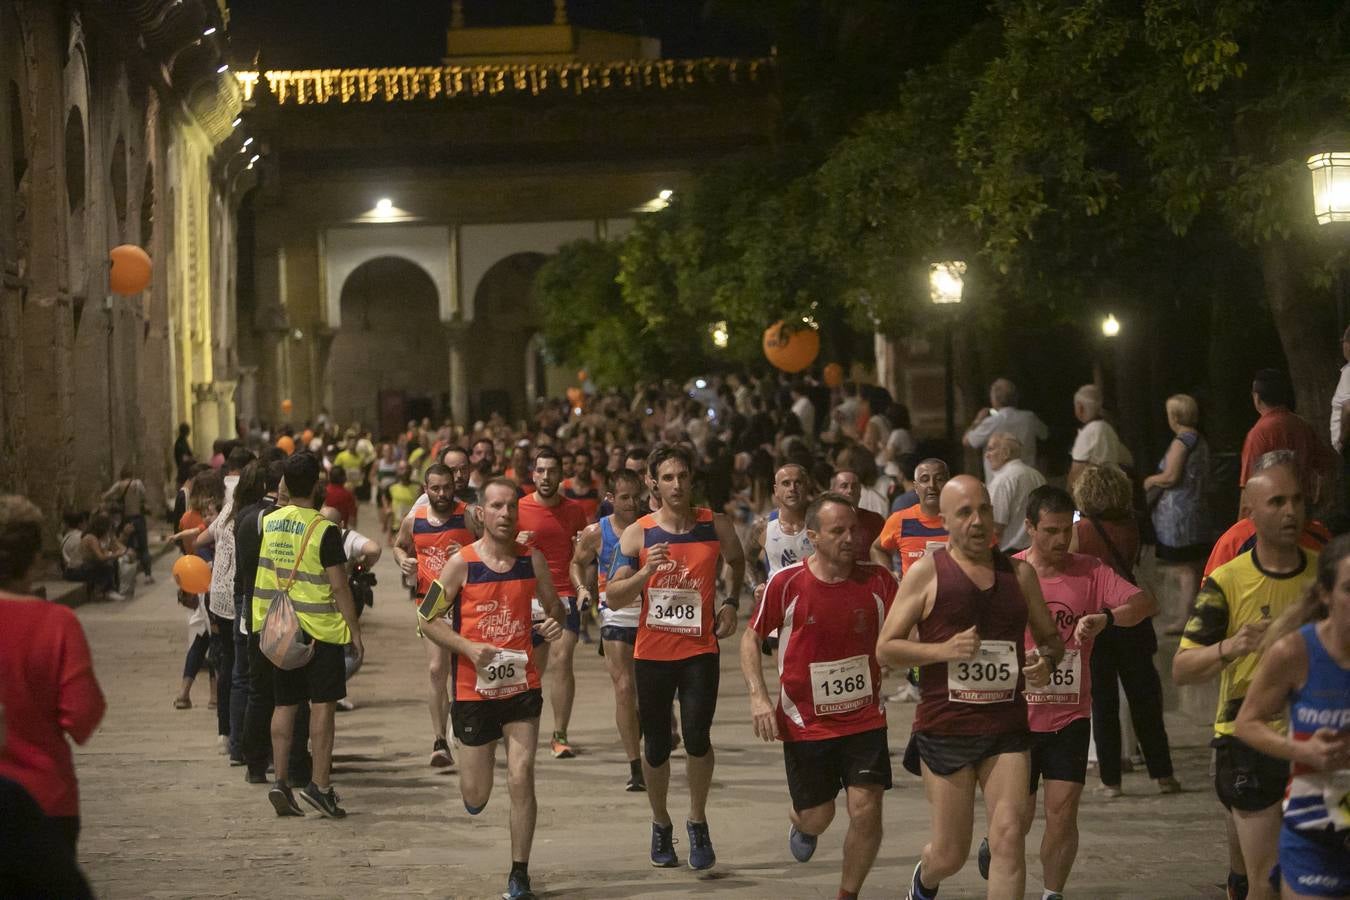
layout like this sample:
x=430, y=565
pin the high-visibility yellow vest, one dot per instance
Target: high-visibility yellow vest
x=283, y=533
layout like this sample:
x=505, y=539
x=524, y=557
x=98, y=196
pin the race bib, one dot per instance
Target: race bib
x=504, y=675
x=841, y=686
x=931, y=546
x=676, y=610
x=991, y=677
x=1064, y=684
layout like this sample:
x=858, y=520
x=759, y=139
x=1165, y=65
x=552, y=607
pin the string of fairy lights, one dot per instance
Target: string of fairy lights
x=390, y=85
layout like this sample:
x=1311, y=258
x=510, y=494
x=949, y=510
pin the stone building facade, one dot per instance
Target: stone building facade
x=116, y=124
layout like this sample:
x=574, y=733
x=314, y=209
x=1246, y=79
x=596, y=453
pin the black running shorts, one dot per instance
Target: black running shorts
x=816, y=770
x=1246, y=779
x=321, y=680
x=1061, y=755
x=479, y=722
x=948, y=753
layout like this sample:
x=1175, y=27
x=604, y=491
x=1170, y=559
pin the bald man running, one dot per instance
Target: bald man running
x=971, y=606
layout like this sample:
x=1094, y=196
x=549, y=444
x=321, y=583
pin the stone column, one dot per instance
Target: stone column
x=456, y=335
x=11, y=388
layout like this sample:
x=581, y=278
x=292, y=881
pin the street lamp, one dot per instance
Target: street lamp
x=1110, y=325
x=946, y=285
x=1331, y=185
x=720, y=335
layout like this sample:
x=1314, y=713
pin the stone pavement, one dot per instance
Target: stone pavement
x=165, y=816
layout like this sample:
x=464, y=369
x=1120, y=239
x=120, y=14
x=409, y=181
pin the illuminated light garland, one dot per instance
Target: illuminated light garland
x=319, y=86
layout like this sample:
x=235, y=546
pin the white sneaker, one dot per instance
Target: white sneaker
x=223, y=743
x=346, y=705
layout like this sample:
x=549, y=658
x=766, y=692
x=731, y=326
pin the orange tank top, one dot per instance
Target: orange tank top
x=432, y=542
x=494, y=608
x=678, y=612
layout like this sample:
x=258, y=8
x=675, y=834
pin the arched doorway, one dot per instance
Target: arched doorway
x=389, y=361
x=505, y=320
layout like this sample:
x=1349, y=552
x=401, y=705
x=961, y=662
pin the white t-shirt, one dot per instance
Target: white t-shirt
x=1098, y=443
x=1338, y=400
x=1008, y=491
x=805, y=411
x=1022, y=424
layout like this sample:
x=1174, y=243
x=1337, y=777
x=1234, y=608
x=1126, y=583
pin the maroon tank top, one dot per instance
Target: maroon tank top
x=999, y=614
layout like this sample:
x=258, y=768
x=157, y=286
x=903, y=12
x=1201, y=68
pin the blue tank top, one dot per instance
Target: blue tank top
x=609, y=552
x=1319, y=800
x=606, y=562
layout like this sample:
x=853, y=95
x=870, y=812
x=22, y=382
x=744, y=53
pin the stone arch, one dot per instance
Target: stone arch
x=389, y=360
x=501, y=336
x=77, y=159
x=483, y=246
x=347, y=249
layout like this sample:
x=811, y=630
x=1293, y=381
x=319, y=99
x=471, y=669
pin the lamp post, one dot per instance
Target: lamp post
x=946, y=285
x=1330, y=170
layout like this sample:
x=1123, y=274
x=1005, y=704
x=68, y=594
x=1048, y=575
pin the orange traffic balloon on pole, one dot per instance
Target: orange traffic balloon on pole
x=131, y=269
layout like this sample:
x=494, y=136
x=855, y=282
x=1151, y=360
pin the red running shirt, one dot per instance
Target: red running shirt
x=554, y=530
x=432, y=542
x=494, y=608
x=677, y=616
x=828, y=676
x=587, y=498
x=48, y=689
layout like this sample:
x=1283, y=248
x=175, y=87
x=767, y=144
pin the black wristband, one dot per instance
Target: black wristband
x=734, y=604
x=1110, y=617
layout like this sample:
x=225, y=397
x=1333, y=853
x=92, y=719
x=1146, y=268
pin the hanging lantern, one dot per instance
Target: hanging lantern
x=1331, y=184
x=130, y=272
x=791, y=349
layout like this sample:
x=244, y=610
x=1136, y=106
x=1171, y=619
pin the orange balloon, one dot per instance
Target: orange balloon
x=287, y=443
x=834, y=375
x=791, y=349
x=192, y=574
x=130, y=272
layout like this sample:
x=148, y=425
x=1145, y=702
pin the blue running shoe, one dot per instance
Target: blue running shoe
x=803, y=846
x=701, y=855
x=663, y=847
x=518, y=887
x=982, y=859
x=916, y=891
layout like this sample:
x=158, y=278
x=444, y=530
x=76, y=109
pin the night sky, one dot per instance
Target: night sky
x=295, y=34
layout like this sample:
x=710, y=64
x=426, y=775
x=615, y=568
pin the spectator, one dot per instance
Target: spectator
x=1097, y=443
x=804, y=410
x=1013, y=483
x=900, y=441
x=1280, y=428
x=99, y=555
x=47, y=686
x=77, y=564
x=1176, y=496
x=1340, y=418
x=182, y=454
x=1107, y=530
x=204, y=503
x=1003, y=415
x=128, y=498
x=337, y=496
x=907, y=495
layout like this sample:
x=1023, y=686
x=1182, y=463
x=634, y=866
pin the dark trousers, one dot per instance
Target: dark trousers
x=1127, y=655
x=140, y=542
x=258, y=719
x=222, y=650
x=196, y=655
x=100, y=576
x=238, y=690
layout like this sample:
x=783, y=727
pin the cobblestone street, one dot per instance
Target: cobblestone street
x=165, y=816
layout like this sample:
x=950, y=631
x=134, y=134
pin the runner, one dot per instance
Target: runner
x=1306, y=667
x=584, y=487
x=1084, y=596
x=598, y=547
x=829, y=712
x=429, y=536
x=779, y=540
x=869, y=524
x=551, y=523
x=915, y=532
x=480, y=610
x=971, y=605
x=668, y=563
x=1231, y=613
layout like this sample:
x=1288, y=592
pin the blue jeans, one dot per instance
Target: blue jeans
x=238, y=691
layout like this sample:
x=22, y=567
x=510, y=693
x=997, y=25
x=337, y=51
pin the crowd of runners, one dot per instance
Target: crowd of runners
x=672, y=518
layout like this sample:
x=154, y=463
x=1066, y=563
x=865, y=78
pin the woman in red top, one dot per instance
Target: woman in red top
x=47, y=684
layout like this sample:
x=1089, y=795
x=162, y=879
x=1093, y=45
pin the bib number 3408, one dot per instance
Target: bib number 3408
x=991, y=677
x=675, y=610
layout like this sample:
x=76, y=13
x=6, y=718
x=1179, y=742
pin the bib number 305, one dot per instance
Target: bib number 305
x=991, y=677
x=504, y=675
x=675, y=610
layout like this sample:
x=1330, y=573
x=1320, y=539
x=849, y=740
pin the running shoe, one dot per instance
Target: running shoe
x=663, y=847
x=701, y=855
x=440, y=754
x=916, y=886
x=283, y=801
x=325, y=802
x=982, y=859
x=1169, y=786
x=562, y=749
x=255, y=778
x=802, y=846
x=636, y=783
x=1109, y=791
x=1052, y=895
x=518, y=887
x=345, y=705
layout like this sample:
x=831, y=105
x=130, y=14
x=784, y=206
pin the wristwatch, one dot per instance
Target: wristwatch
x=733, y=603
x=1110, y=617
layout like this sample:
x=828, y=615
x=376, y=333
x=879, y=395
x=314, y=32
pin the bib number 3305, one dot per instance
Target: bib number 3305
x=675, y=610
x=504, y=675
x=991, y=677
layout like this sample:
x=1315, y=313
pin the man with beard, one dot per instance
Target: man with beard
x=550, y=523
x=583, y=486
x=429, y=536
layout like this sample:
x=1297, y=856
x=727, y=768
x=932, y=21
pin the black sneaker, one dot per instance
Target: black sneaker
x=283, y=801
x=325, y=802
x=636, y=784
x=982, y=859
x=518, y=887
x=251, y=777
x=440, y=754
